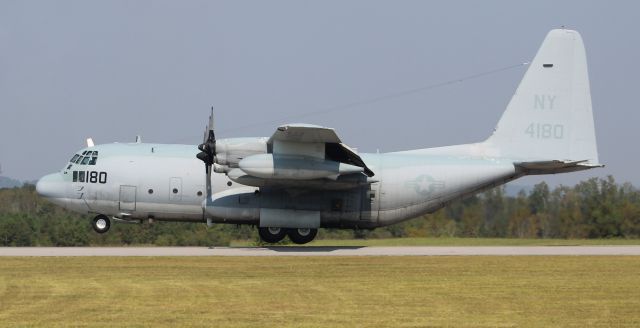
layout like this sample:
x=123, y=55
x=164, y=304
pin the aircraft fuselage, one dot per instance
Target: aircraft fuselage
x=167, y=182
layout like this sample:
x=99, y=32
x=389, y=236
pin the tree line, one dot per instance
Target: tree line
x=595, y=208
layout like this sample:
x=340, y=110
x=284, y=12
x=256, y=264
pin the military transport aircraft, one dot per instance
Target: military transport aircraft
x=303, y=177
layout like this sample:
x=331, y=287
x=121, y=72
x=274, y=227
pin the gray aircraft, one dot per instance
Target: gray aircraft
x=303, y=177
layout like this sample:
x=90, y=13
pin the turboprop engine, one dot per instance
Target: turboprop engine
x=294, y=167
x=229, y=152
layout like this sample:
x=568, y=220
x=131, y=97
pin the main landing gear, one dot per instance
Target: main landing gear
x=101, y=223
x=298, y=236
x=302, y=235
x=272, y=235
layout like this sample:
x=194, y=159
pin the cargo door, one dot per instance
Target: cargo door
x=128, y=198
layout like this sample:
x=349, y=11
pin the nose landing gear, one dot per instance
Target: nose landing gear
x=101, y=223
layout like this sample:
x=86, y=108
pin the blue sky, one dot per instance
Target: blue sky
x=113, y=69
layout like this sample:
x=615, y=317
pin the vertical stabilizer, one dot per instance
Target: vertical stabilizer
x=550, y=116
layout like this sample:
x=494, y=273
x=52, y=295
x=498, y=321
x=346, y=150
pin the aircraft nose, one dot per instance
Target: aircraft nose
x=50, y=186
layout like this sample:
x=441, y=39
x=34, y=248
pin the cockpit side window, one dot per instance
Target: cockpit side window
x=79, y=159
x=93, y=160
x=85, y=160
x=75, y=157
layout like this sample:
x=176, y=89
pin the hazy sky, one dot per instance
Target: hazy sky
x=113, y=69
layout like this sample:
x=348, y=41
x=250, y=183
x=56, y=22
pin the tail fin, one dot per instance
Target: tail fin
x=549, y=117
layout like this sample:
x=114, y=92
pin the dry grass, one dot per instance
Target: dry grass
x=455, y=241
x=311, y=292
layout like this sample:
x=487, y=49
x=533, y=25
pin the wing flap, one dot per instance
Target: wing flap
x=340, y=152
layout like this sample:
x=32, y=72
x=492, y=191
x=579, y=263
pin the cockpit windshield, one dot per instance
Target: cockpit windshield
x=88, y=157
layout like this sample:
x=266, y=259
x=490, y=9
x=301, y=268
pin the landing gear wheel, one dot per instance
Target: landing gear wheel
x=302, y=235
x=272, y=235
x=101, y=223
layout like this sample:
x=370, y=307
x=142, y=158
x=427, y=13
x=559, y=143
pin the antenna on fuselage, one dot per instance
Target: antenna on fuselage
x=207, y=153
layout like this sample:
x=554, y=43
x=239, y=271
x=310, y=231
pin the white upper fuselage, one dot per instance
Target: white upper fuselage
x=167, y=182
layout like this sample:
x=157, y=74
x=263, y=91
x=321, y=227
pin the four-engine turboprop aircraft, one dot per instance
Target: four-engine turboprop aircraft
x=303, y=177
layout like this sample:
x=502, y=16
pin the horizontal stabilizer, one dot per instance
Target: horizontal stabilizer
x=555, y=166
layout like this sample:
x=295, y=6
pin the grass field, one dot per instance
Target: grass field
x=557, y=291
x=444, y=241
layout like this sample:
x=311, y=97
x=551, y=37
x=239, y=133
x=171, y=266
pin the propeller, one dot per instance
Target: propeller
x=207, y=152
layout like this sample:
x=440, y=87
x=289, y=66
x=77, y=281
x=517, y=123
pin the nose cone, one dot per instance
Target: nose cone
x=51, y=186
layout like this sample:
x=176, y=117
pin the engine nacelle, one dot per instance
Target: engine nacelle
x=294, y=167
x=230, y=151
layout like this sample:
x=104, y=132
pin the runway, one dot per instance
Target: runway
x=325, y=251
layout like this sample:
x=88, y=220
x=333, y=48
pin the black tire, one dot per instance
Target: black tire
x=101, y=223
x=302, y=236
x=272, y=235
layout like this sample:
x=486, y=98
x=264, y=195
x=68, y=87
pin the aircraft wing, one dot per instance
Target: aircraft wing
x=315, y=141
x=305, y=133
x=303, y=156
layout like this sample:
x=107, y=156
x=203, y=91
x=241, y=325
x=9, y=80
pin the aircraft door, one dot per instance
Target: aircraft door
x=175, y=189
x=128, y=198
x=371, y=202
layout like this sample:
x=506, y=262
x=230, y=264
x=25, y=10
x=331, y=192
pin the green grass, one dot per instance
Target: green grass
x=445, y=241
x=573, y=291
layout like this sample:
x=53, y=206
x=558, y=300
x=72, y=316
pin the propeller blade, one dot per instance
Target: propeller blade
x=207, y=152
x=204, y=137
x=211, y=135
x=208, y=146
